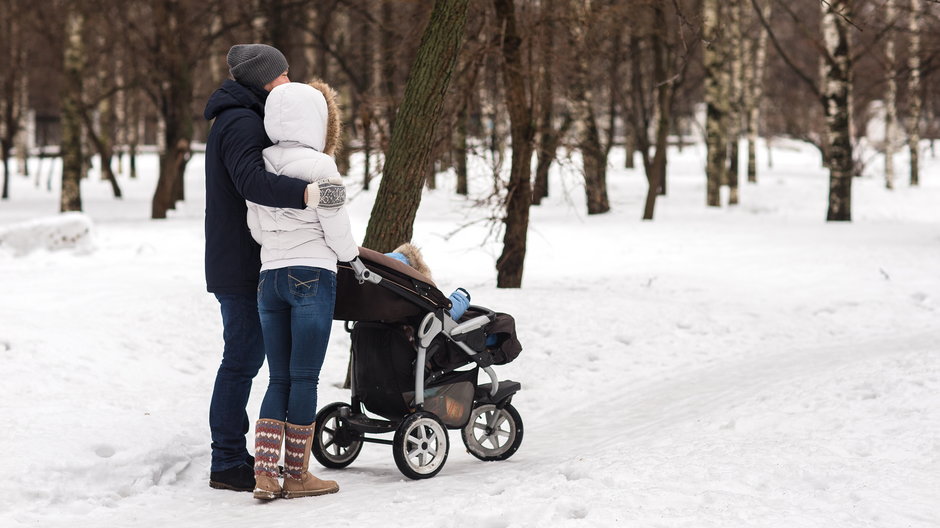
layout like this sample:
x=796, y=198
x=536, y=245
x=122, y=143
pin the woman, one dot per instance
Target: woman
x=297, y=286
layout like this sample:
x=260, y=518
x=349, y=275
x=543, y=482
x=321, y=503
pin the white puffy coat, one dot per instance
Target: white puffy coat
x=295, y=118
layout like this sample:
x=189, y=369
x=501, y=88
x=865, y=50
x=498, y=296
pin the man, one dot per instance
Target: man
x=235, y=172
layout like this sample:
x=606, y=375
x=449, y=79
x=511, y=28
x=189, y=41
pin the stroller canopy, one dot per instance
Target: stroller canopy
x=403, y=292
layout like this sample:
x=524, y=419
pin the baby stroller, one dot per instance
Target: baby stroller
x=417, y=369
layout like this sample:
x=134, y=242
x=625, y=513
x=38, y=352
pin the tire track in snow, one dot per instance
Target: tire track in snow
x=643, y=411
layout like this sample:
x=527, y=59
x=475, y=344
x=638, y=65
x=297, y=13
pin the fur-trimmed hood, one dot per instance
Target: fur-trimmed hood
x=306, y=114
x=415, y=258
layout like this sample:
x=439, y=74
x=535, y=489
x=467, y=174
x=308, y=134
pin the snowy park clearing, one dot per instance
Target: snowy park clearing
x=744, y=366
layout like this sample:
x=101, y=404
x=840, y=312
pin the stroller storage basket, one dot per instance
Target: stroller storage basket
x=384, y=376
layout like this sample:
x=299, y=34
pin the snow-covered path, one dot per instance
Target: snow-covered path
x=748, y=367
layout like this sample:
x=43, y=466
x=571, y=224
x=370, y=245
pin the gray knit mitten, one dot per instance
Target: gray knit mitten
x=327, y=194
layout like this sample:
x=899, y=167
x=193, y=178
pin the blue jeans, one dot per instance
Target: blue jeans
x=242, y=356
x=296, y=307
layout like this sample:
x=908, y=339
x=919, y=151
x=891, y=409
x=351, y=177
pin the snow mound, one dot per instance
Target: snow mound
x=66, y=231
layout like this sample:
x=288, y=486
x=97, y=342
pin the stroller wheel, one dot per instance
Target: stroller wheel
x=335, y=443
x=421, y=445
x=493, y=434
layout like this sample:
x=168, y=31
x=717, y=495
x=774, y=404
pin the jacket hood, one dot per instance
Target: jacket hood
x=235, y=95
x=413, y=257
x=305, y=114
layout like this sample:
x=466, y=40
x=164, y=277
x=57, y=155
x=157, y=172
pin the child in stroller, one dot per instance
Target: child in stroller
x=416, y=367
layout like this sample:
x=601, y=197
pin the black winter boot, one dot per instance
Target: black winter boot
x=238, y=478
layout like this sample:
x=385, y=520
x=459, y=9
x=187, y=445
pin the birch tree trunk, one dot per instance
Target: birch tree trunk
x=509, y=266
x=71, y=146
x=836, y=96
x=755, y=93
x=409, y=154
x=914, y=96
x=891, y=94
x=593, y=155
x=716, y=100
x=735, y=70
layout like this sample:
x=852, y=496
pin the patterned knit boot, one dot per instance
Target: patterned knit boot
x=269, y=434
x=297, y=481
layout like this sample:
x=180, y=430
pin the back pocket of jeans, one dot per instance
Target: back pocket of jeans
x=303, y=281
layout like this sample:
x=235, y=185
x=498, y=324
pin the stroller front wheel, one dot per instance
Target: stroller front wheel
x=421, y=445
x=335, y=443
x=493, y=434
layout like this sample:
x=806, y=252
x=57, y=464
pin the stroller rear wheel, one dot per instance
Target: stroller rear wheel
x=335, y=443
x=493, y=434
x=421, y=445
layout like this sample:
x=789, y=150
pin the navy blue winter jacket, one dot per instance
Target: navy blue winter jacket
x=235, y=172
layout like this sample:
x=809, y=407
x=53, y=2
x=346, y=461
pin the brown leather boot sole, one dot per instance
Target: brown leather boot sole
x=309, y=493
x=265, y=494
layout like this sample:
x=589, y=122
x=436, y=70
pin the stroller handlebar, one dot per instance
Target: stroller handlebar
x=364, y=274
x=471, y=325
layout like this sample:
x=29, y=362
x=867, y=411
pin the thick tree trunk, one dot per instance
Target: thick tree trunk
x=716, y=100
x=392, y=219
x=71, y=146
x=836, y=95
x=914, y=96
x=510, y=264
x=891, y=95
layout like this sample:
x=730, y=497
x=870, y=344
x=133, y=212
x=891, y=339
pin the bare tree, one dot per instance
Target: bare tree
x=915, y=101
x=392, y=219
x=834, y=96
x=755, y=64
x=717, y=101
x=12, y=62
x=510, y=264
x=891, y=95
x=657, y=72
x=836, y=100
x=593, y=153
x=71, y=147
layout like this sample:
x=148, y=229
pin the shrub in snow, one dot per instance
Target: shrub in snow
x=66, y=231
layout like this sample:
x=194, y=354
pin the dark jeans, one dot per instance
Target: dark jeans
x=242, y=356
x=296, y=307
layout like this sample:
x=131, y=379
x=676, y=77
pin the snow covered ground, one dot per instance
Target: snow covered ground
x=747, y=366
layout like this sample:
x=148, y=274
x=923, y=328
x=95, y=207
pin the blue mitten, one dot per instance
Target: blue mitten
x=460, y=301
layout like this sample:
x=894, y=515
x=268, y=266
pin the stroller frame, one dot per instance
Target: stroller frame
x=421, y=444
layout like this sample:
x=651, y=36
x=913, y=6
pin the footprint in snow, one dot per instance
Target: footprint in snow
x=105, y=451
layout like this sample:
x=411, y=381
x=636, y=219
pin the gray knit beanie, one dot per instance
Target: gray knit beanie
x=255, y=64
